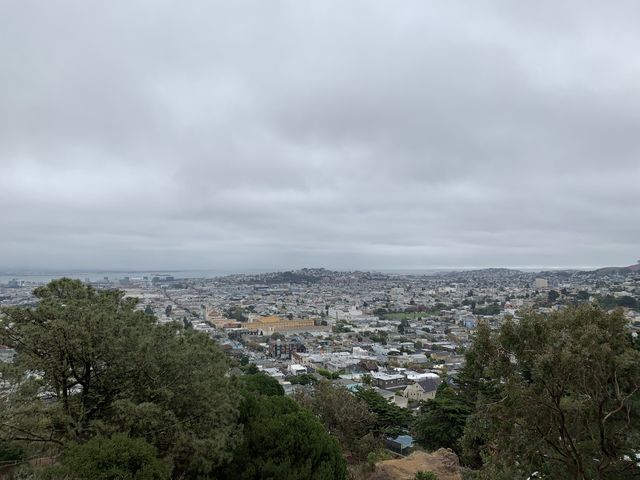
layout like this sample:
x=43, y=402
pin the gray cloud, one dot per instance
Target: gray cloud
x=281, y=134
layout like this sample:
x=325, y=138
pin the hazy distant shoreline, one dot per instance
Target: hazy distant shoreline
x=96, y=275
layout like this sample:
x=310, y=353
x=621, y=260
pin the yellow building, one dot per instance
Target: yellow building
x=215, y=318
x=273, y=323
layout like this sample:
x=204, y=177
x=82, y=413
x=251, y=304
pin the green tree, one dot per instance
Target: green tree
x=236, y=313
x=303, y=379
x=327, y=374
x=263, y=384
x=403, y=326
x=283, y=441
x=627, y=301
x=103, y=367
x=389, y=418
x=344, y=415
x=11, y=451
x=489, y=309
x=582, y=295
x=442, y=419
x=557, y=394
x=425, y=475
x=115, y=458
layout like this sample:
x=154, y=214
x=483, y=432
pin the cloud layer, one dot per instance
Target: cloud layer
x=239, y=135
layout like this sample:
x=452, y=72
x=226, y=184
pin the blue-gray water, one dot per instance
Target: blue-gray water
x=43, y=277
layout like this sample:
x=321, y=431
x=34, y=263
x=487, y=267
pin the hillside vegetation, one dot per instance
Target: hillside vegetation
x=98, y=389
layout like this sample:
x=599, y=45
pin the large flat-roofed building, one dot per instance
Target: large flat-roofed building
x=387, y=381
x=541, y=283
x=273, y=323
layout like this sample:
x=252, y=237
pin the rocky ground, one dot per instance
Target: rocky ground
x=444, y=463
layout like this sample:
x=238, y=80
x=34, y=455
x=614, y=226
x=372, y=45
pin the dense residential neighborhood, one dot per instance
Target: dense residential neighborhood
x=380, y=365
x=403, y=334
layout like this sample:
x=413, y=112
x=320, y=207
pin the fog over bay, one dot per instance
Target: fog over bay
x=350, y=135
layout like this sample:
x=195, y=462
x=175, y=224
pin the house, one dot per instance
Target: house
x=400, y=401
x=441, y=356
x=348, y=382
x=6, y=354
x=368, y=365
x=296, y=369
x=385, y=380
x=402, y=444
x=386, y=394
x=273, y=372
x=424, y=389
x=284, y=350
x=391, y=397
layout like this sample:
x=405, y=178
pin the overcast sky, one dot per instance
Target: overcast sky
x=344, y=134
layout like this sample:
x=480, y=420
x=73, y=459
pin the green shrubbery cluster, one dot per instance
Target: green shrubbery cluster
x=102, y=391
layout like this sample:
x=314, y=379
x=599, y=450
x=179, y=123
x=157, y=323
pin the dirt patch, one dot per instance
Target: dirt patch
x=444, y=463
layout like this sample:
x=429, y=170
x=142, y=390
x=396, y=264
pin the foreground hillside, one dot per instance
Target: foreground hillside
x=443, y=463
x=102, y=391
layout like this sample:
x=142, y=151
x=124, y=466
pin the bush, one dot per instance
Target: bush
x=425, y=475
x=115, y=458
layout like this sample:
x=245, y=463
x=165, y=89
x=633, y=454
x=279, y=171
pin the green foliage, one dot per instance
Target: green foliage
x=442, y=419
x=379, y=337
x=345, y=416
x=425, y=475
x=303, y=379
x=490, y=309
x=115, y=458
x=389, y=418
x=627, y=301
x=250, y=369
x=105, y=367
x=375, y=457
x=471, y=303
x=11, y=451
x=403, y=326
x=557, y=394
x=236, y=313
x=262, y=384
x=609, y=302
x=582, y=295
x=283, y=441
x=341, y=327
x=327, y=374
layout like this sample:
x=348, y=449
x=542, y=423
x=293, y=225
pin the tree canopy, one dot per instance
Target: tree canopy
x=344, y=415
x=556, y=394
x=98, y=384
x=88, y=363
x=282, y=440
x=115, y=458
x=442, y=419
x=389, y=418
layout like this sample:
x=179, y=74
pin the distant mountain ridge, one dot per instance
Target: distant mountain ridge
x=622, y=270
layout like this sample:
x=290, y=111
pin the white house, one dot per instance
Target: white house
x=423, y=390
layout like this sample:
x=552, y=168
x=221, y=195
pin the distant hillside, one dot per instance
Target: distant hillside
x=620, y=270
